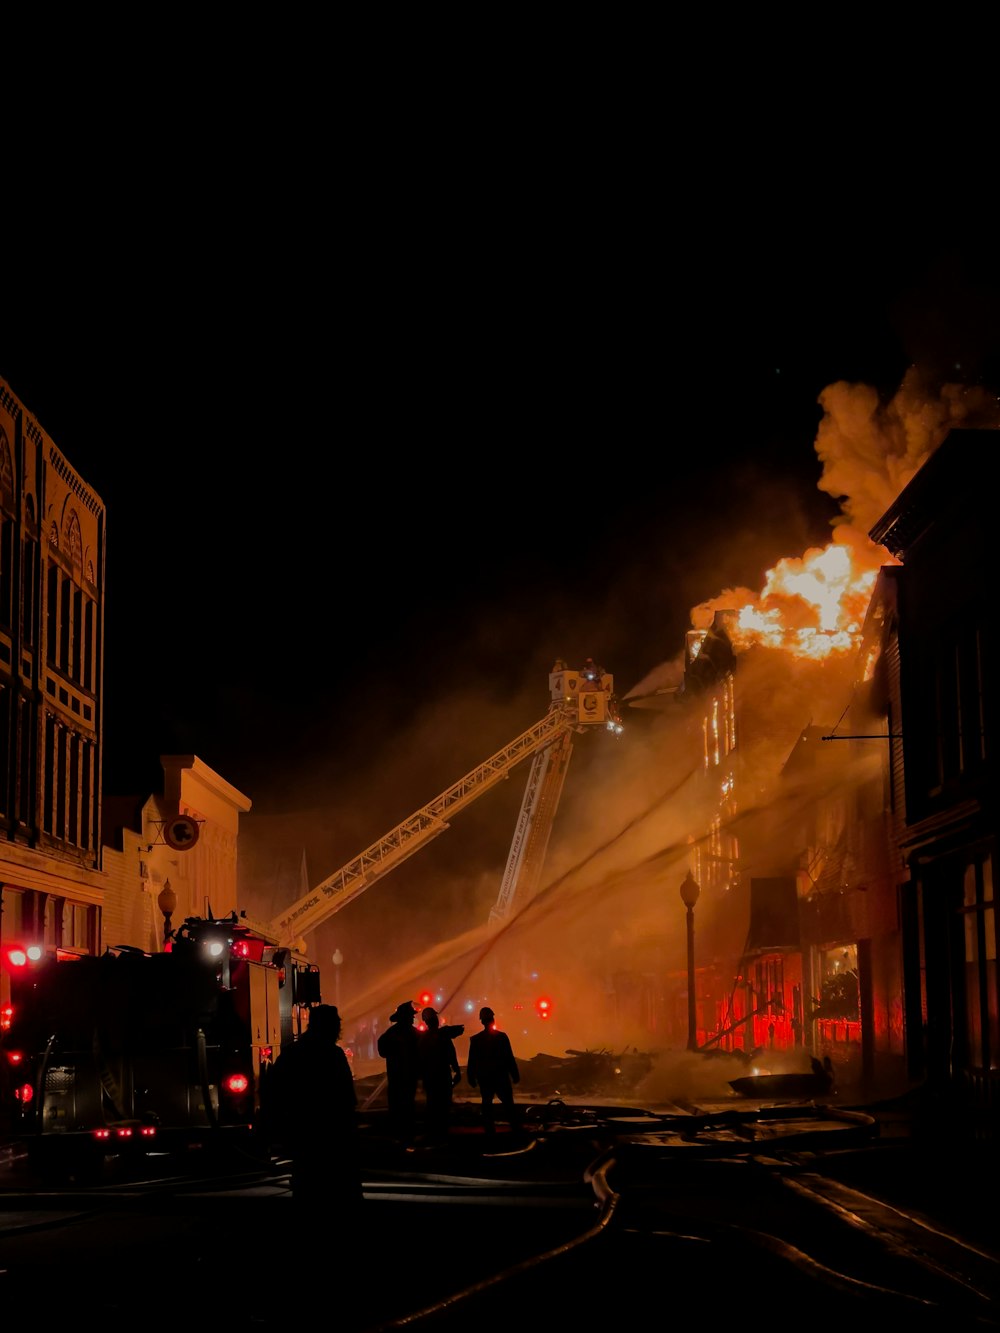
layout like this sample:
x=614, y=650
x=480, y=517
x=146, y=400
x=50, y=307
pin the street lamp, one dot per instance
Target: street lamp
x=338, y=958
x=689, y=896
x=166, y=901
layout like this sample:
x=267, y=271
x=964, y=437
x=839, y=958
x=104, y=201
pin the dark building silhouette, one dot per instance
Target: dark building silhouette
x=936, y=689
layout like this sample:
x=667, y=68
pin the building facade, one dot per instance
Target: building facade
x=52, y=553
x=938, y=672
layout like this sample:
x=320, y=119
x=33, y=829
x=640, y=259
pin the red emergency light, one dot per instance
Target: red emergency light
x=250, y=946
x=17, y=957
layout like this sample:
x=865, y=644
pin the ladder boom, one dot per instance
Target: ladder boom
x=345, y=884
x=534, y=826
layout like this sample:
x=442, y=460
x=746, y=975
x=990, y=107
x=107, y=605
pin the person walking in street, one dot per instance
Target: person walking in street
x=440, y=1071
x=397, y=1046
x=493, y=1069
x=310, y=1106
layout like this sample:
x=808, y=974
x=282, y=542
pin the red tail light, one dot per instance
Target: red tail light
x=24, y=1094
x=15, y=1057
x=236, y=1084
x=125, y=1132
x=6, y=1014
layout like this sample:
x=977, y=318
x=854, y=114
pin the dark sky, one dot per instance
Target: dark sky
x=327, y=507
x=355, y=474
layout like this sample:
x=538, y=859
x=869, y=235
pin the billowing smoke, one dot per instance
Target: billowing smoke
x=869, y=450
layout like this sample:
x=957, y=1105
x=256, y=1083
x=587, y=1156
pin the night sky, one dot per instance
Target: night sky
x=361, y=493
x=315, y=525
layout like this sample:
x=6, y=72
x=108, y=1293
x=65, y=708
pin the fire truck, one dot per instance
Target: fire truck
x=131, y=1054
x=135, y=1053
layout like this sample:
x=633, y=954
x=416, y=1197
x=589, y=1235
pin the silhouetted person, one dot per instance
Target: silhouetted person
x=493, y=1069
x=311, y=1107
x=439, y=1070
x=397, y=1046
x=592, y=674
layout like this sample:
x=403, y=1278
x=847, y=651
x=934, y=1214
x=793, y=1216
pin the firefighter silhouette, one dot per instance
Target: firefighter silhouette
x=311, y=1112
x=493, y=1069
x=439, y=1070
x=397, y=1046
x=592, y=674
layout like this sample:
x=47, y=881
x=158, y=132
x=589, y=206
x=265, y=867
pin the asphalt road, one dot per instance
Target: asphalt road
x=601, y=1217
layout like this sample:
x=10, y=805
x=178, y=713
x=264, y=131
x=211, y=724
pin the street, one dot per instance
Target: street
x=595, y=1216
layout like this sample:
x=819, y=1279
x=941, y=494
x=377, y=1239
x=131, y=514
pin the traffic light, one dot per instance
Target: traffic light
x=543, y=1007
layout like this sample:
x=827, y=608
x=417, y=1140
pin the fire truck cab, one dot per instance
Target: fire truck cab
x=136, y=1054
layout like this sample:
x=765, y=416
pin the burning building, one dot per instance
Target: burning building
x=857, y=853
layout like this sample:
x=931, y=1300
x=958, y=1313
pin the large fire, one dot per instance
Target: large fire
x=814, y=606
x=811, y=606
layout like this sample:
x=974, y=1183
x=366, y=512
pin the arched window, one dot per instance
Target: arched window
x=6, y=466
x=74, y=538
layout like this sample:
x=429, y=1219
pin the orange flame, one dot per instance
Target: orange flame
x=811, y=606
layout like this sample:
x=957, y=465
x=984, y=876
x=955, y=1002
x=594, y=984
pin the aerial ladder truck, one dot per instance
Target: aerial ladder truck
x=133, y=1053
x=580, y=700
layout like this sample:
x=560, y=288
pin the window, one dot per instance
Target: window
x=980, y=930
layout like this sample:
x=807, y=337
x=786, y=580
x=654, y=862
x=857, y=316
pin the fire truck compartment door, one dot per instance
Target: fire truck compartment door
x=265, y=1020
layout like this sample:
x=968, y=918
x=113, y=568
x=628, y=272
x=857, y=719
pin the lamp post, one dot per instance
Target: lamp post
x=689, y=896
x=166, y=901
x=338, y=958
